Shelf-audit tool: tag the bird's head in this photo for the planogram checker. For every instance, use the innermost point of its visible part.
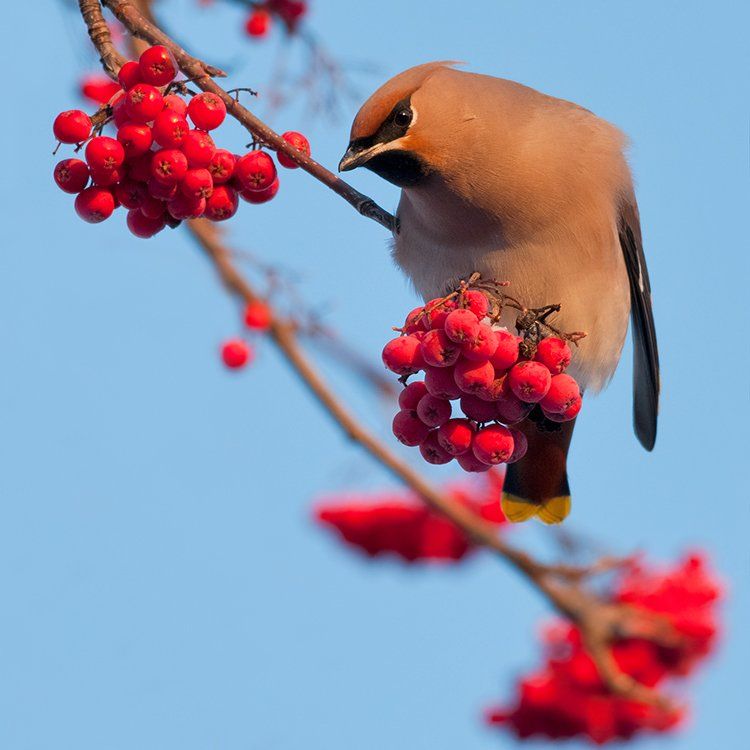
(393, 133)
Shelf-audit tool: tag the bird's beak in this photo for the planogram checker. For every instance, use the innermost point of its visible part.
(356, 156)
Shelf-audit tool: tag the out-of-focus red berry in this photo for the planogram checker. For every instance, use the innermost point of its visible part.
(235, 354)
(257, 315)
(99, 89)
(258, 23)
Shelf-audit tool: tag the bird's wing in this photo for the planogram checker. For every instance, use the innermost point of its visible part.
(646, 354)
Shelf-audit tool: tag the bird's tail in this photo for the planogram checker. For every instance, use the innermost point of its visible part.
(537, 485)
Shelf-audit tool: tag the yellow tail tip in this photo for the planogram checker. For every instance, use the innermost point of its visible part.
(552, 511)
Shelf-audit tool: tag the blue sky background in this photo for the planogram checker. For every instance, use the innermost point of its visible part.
(162, 584)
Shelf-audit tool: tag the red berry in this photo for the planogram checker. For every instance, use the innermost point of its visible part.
(261, 196)
(438, 350)
(258, 23)
(169, 166)
(72, 126)
(482, 347)
(221, 166)
(207, 111)
(291, 12)
(222, 204)
(175, 104)
(157, 66)
(151, 207)
(403, 355)
(477, 409)
(415, 320)
(520, 445)
(197, 183)
(139, 168)
(472, 377)
(235, 353)
(494, 390)
(199, 148)
(129, 75)
(455, 436)
(437, 311)
(409, 428)
(170, 129)
(554, 354)
(506, 353)
(469, 462)
(258, 316)
(563, 392)
(136, 139)
(255, 170)
(441, 383)
(99, 89)
(299, 142)
(493, 445)
(95, 204)
(529, 381)
(411, 395)
(462, 325)
(107, 177)
(104, 154)
(432, 451)
(143, 102)
(186, 206)
(433, 411)
(477, 302)
(129, 193)
(511, 409)
(163, 190)
(566, 416)
(71, 175)
(143, 226)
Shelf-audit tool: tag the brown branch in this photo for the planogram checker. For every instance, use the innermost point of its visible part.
(111, 59)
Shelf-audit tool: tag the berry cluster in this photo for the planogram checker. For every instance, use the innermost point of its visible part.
(500, 379)
(289, 12)
(236, 353)
(159, 167)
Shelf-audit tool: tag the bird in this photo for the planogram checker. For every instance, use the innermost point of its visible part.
(500, 179)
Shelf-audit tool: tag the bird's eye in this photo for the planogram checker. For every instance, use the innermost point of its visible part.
(402, 118)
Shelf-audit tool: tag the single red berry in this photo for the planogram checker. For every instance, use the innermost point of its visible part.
(440, 382)
(409, 428)
(438, 350)
(403, 355)
(129, 193)
(477, 409)
(162, 190)
(222, 204)
(472, 377)
(506, 352)
(142, 226)
(71, 175)
(72, 126)
(151, 207)
(563, 392)
(433, 411)
(477, 302)
(197, 183)
(520, 445)
(469, 462)
(136, 138)
(299, 142)
(258, 315)
(186, 206)
(432, 451)
(510, 408)
(455, 436)
(412, 393)
(291, 12)
(554, 354)
(129, 75)
(199, 148)
(529, 381)
(482, 347)
(235, 353)
(207, 111)
(104, 154)
(415, 320)
(261, 196)
(99, 89)
(170, 129)
(258, 23)
(169, 166)
(95, 204)
(493, 445)
(255, 170)
(221, 166)
(462, 326)
(157, 66)
(175, 104)
(566, 416)
(437, 311)
(119, 103)
(143, 102)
